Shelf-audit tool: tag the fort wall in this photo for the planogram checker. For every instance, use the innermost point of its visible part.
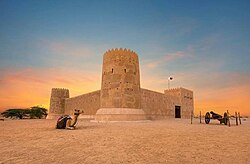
(187, 101)
(185, 97)
(89, 103)
(158, 105)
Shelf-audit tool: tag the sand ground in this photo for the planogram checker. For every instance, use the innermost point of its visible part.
(165, 141)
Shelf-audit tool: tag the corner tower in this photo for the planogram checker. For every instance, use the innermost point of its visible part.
(57, 102)
(120, 90)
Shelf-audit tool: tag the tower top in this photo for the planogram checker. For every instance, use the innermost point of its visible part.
(120, 51)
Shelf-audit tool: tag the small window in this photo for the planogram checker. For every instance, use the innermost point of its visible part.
(112, 70)
(125, 70)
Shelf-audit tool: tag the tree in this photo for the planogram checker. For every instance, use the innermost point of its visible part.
(17, 113)
(37, 112)
(32, 112)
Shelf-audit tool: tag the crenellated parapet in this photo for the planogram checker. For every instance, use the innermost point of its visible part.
(180, 92)
(60, 92)
(118, 55)
(57, 101)
(173, 92)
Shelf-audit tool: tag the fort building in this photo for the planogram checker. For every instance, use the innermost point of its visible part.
(121, 97)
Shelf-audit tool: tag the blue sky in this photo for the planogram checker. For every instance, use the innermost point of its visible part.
(203, 44)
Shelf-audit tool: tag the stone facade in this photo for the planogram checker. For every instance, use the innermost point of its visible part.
(89, 103)
(57, 102)
(120, 90)
(120, 80)
(158, 105)
(121, 98)
(186, 100)
(162, 105)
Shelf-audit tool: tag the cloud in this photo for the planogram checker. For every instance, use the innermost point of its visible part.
(165, 59)
(235, 98)
(67, 53)
(179, 27)
(62, 64)
(70, 49)
(27, 87)
(204, 68)
(214, 91)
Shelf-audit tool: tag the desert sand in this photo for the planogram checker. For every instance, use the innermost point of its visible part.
(162, 141)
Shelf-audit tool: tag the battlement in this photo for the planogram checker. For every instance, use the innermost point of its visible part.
(173, 91)
(60, 92)
(120, 54)
(177, 90)
(180, 92)
(120, 50)
(60, 89)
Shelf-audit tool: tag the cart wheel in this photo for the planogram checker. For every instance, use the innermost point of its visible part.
(225, 118)
(207, 118)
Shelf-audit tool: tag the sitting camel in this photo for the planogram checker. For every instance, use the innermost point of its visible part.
(65, 121)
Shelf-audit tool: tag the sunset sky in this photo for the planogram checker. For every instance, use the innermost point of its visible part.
(204, 45)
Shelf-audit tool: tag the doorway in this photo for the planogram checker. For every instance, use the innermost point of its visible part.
(177, 111)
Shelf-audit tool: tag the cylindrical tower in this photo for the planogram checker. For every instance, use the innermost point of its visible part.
(57, 102)
(120, 80)
(120, 89)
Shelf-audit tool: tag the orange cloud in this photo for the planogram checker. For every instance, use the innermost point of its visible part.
(235, 98)
(28, 87)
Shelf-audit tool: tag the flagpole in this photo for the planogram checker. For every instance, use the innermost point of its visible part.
(169, 79)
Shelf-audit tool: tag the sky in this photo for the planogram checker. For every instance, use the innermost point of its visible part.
(203, 45)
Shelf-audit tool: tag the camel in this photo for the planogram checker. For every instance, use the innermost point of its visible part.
(66, 122)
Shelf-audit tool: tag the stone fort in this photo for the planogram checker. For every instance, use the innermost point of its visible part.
(121, 97)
